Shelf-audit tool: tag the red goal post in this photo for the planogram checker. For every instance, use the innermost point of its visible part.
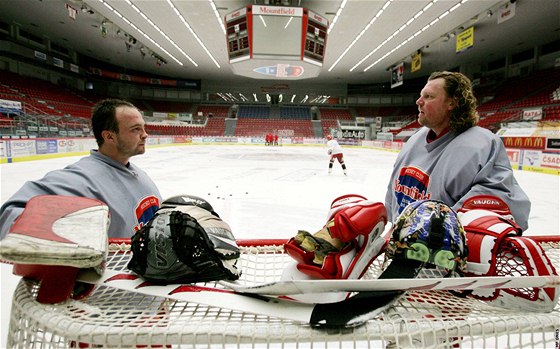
(111, 318)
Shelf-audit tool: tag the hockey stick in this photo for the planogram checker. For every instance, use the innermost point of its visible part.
(211, 296)
(374, 297)
(370, 303)
(462, 283)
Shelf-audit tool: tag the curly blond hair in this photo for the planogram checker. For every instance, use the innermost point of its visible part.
(459, 88)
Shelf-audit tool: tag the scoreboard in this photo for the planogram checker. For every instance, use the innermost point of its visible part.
(237, 35)
(315, 38)
(276, 42)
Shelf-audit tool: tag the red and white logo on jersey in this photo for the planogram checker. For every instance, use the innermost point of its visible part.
(146, 210)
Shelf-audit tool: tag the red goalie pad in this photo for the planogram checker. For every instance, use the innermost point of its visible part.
(497, 249)
(53, 238)
(521, 256)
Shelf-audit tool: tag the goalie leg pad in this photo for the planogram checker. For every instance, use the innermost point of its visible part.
(59, 230)
(521, 256)
(496, 248)
(53, 238)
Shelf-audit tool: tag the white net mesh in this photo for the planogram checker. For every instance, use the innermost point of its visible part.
(115, 318)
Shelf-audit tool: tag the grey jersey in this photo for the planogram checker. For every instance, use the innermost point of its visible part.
(131, 195)
(452, 169)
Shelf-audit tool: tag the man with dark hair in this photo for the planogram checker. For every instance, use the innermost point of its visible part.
(106, 174)
(451, 159)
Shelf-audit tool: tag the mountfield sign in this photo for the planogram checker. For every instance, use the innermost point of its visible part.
(278, 11)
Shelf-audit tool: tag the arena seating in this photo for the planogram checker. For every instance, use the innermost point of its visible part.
(552, 113)
(298, 113)
(43, 96)
(335, 114)
(6, 122)
(212, 110)
(259, 127)
(164, 106)
(386, 111)
(253, 112)
(501, 102)
(215, 127)
(327, 125)
(505, 101)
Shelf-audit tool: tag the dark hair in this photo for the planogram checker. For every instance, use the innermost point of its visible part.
(459, 88)
(104, 117)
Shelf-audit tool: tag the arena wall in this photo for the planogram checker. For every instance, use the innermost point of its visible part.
(544, 159)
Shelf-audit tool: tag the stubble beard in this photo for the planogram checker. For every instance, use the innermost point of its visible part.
(131, 151)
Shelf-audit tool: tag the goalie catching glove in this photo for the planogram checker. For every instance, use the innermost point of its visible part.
(186, 241)
(345, 247)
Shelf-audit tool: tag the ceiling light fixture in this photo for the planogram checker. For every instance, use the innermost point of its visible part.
(336, 16)
(418, 14)
(453, 8)
(117, 13)
(135, 8)
(377, 15)
(218, 17)
(288, 23)
(193, 33)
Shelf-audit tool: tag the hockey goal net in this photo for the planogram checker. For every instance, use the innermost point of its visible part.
(111, 318)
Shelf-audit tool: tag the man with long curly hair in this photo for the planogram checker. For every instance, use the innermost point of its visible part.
(450, 158)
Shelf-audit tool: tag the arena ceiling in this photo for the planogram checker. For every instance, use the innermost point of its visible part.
(183, 39)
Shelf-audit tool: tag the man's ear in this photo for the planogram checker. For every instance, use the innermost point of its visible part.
(452, 104)
(107, 135)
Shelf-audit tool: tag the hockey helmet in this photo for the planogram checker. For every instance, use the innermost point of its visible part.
(429, 231)
(154, 255)
(176, 202)
(329, 137)
(176, 247)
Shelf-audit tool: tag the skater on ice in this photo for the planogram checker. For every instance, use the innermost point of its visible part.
(335, 151)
